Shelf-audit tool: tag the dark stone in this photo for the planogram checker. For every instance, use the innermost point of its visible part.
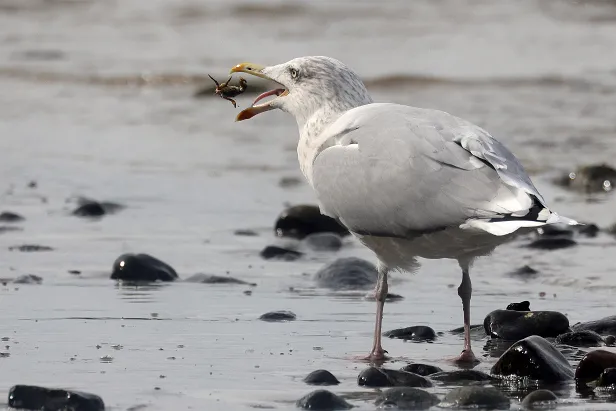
(245, 233)
(6, 229)
(389, 298)
(539, 399)
(279, 253)
(321, 377)
(28, 279)
(606, 325)
(522, 306)
(10, 217)
(421, 369)
(30, 397)
(476, 396)
(475, 329)
(28, 248)
(592, 365)
(552, 243)
(382, 377)
(287, 182)
(92, 208)
(460, 376)
(141, 267)
(592, 178)
(348, 273)
(580, 339)
(588, 230)
(525, 271)
(323, 241)
(274, 316)
(610, 340)
(536, 358)
(216, 279)
(322, 400)
(406, 398)
(415, 333)
(515, 325)
(607, 378)
(301, 220)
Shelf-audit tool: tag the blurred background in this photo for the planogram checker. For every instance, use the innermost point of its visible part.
(111, 100)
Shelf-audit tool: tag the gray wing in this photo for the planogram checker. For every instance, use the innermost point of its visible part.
(394, 170)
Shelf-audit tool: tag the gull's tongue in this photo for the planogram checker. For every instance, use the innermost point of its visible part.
(276, 92)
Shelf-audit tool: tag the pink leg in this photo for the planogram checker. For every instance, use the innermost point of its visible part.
(378, 353)
(464, 291)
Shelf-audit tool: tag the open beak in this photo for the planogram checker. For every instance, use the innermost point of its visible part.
(257, 70)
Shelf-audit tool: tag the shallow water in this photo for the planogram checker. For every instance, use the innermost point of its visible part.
(97, 101)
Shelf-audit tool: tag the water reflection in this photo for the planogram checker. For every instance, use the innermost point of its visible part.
(139, 292)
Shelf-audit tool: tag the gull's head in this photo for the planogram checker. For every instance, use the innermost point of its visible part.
(307, 85)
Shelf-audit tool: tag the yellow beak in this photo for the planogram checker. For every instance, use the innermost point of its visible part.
(255, 70)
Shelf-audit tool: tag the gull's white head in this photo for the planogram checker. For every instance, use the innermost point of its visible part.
(309, 85)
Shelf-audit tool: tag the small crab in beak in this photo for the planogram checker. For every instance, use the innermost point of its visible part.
(259, 71)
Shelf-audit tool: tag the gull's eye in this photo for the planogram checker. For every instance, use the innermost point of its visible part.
(294, 73)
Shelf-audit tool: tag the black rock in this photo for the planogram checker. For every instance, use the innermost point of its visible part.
(476, 396)
(414, 333)
(321, 377)
(322, 400)
(540, 399)
(406, 398)
(92, 208)
(28, 279)
(515, 325)
(30, 397)
(588, 230)
(552, 243)
(323, 241)
(522, 306)
(477, 329)
(347, 274)
(592, 178)
(382, 377)
(584, 338)
(607, 378)
(215, 279)
(275, 316)
(460, 376)
(141, 267)
(536, 358)
(606, 325)
(301, 220)
(246, 233)
(29, 248)
(610, 340)
(525, 272)
(421, 369)
(592, 365)
(10, 217)
(279, 253)
(390, 297)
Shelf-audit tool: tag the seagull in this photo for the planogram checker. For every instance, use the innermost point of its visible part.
(408, 182)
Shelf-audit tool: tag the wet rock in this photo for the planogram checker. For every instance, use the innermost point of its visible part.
(92, 208)
(31, 397)
(477, 329)
(280, 253)
(323, 241)
(215, 279)
(607, 378)
(592, 365)
(347, 274)
(553, 237)
(460, 376)
(10, 217)
(540, 399)
(421, 369)
(610, 340)
(278, 316)
(6, 229)
(29, 248)
(245, 233)
(321, 377)
(406, 398)
(287, 182)
(383, 377)
(514, 325)
(588, 230)
(414, 333)
(28, 279)
(301, 220)
(591, 178)
(390, 297)
(536, 358)
(606, 325)
(475, 396)
(522, 306)
(580, 339)
(322, 400)
(141, 267)
(524, 272)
